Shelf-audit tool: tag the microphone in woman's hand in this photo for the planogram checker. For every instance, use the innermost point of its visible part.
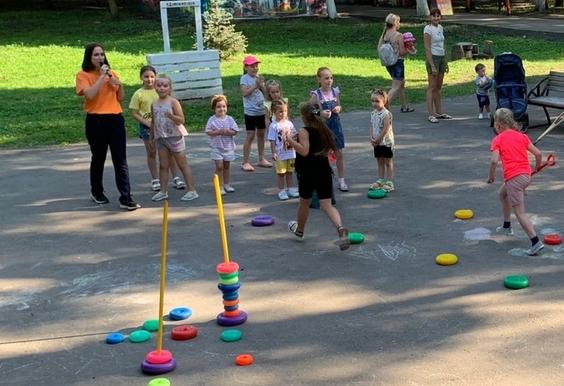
(106, 69)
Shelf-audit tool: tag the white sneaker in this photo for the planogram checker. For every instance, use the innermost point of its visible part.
(283, 195)
(156, 185)
(293, 227)
(178, 183)
(293, 193)
(189, 196)
(505, 231)
(160, 196)
(222, 191)
(229, 188)
(480, 116)
(535, 249)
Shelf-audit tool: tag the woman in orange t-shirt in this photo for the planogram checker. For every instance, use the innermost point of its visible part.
(105, 127)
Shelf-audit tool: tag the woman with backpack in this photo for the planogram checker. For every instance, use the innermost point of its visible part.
(391, 50)
(437, 65)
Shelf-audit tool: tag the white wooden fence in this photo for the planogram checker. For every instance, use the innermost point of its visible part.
(194, 74)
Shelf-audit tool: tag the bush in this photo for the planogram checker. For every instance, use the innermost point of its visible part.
(220, 34)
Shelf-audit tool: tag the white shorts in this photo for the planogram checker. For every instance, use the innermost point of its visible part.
(218, 154)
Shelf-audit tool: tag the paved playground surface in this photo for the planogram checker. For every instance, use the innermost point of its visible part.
(380, 313)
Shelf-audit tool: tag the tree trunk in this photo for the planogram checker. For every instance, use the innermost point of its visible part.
(331, 9)
(422, 8)
(113, 8)
(540, 5)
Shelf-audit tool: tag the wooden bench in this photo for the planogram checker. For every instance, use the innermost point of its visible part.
(549, 93)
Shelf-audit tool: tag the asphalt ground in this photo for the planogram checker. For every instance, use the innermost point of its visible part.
(380, 313)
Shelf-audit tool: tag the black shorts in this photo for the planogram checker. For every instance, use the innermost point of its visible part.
(255, 122)
(483, 100)
(383, 151)
(322, 184)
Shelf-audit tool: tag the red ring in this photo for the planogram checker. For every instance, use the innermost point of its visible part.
(553, 239)
(158, 358)
(230, 303)
(244, 360)
(230, 267)
(184, 332)
(231, 314)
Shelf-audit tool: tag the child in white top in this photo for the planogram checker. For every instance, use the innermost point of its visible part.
(273, 93)
(168, 131)
(283, 154)
(140, 107)
(483, 85)
(222, 128)
(252, 89)
(382, 139)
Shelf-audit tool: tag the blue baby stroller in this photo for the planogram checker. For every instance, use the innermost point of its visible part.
(510, 87)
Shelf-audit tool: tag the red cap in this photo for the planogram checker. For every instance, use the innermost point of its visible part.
(249, 60)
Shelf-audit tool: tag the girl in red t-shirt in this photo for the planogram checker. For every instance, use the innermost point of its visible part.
(511, 146)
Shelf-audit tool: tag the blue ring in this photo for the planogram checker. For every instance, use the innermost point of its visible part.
(231, 308)
(115, 338)
(180, 313)
(229, 287)
(232, 296)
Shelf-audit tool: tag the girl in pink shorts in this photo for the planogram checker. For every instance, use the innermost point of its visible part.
(511, 147)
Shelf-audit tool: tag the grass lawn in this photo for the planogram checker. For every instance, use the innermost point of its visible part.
(40, 57)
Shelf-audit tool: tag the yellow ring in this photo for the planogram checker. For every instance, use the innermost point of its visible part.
(446, 259)
(464, 214)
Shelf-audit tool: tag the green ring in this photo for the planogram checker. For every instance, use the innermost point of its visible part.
(151, 325)
(516, 282)
(356, 237)
(229, 275)
(159, 382)
(229, 281)
(376, 193)
(139, 336)
(231, 335)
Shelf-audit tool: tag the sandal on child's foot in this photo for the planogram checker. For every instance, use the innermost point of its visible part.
(247, 167)
(344, 242)
(433, 119)
(407, 109)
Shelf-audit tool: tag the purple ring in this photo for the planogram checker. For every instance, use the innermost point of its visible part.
(151, 368)
(232, 321)
(262, 220)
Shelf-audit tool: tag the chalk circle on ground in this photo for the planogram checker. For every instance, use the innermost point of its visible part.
(115, 338)
(184, 332)
(159, 382)
(464, 214)
(356, 237)
(553, 239)
(151, 325)
(244, 360)
(262, 220)
(446, 259)
(516, 281)
(139, 336)
(180, 313)
(231, 335)
(376, 193)
(150, 368)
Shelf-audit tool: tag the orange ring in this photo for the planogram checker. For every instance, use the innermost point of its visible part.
(553, 239)
(244, 360)
(230, 303)
(231, 314)
(225, 268)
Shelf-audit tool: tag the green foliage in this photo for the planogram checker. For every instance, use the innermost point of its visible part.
(220, 34)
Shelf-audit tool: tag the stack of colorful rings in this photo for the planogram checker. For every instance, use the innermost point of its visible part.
(229, 285)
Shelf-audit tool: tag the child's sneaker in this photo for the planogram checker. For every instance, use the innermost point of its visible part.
(160, 196)
(378, 184)
(504, 231)
(283, 195)
(535, 249)
(156, 185)
(229, 188)
(189, 196)
(480, 116)
(293, 192)
(343, 187)
(178, 183)
(344, 242)
(222, 191)
(293, 227)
